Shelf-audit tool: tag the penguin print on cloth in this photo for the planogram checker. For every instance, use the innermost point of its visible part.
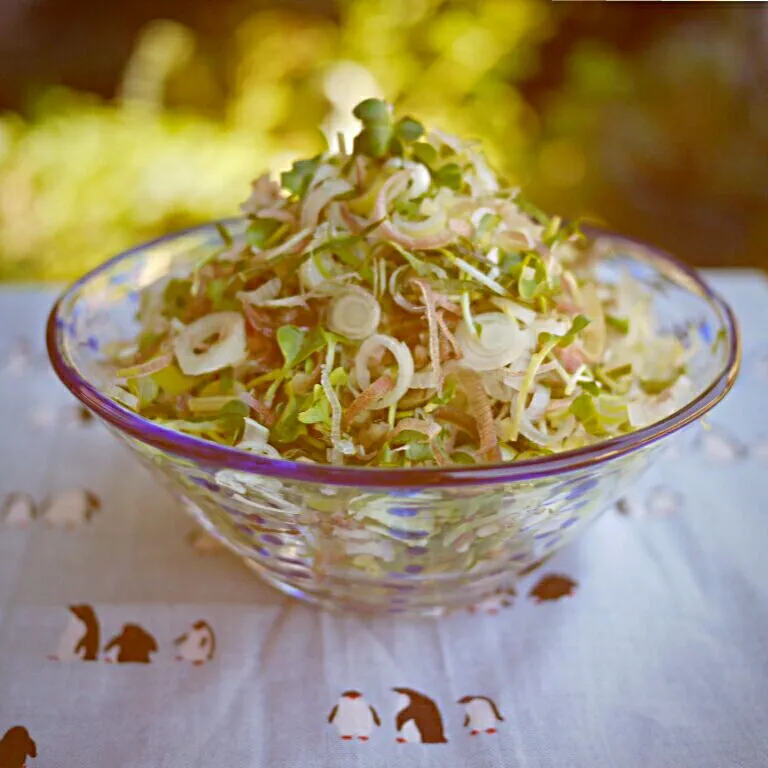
(354, 717)
(132, 646)
(552, 587)
(80, 639)
(658, 502)
(720, 447)
(760, 448)
(19, 359)
(71, 508)
(198, 645)
(481, 716)
(205, 544)
(15, 747)
(18, 510)
(495, 603)
(418, 719)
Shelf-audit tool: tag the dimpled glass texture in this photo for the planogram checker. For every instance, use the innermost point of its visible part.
(419, 541)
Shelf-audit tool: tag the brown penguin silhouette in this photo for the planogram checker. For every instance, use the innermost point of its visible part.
(424, 715)
(89, 642)
(552, 587)
(15, 747)
(134, 644)
(81, 638)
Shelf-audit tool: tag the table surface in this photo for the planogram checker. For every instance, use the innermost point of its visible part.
(656, 656)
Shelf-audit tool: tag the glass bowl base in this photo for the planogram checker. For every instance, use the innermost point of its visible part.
(423, 601)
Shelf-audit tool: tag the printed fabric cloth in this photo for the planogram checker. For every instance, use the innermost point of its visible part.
(125, 642)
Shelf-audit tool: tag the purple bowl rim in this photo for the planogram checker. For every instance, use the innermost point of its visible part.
(223, 457)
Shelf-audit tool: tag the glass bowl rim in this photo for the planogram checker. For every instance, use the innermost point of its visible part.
(421, 478)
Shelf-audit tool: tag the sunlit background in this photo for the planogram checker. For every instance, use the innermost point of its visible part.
(122, 124)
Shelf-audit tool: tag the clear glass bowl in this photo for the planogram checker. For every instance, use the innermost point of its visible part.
(399, 540)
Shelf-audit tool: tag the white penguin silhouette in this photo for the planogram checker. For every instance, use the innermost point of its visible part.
(658, 501)
(761, 366)
(482, 714)
(110, 656)
(721, 447)
(664, 501)
(760, 448)
(354, 717)
(70, 508)
(197, 645)
(493, 604)
(18, 510)
(20, 358)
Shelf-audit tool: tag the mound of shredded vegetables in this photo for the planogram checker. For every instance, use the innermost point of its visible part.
(394, 306)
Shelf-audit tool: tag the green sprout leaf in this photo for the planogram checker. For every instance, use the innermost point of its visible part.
(601, 415)
(420, 452)
(259, 231)
(288, 428)
(176, 297)
(290, 339)
(146, 390)
(591, 388)
(511, 263)
(297, 345)
(425, 153)
(657, 386)
(529, 287)
(339, 377)
(449, 175)
(226, 238)
(318, 409)
(215, 290)
(173, 382)
(374, 140)
(373, 111)
(620, 324)
(235, 407)
(580, 322)
(296, 181)
(407, 129)
(531, 210)
(487, 224)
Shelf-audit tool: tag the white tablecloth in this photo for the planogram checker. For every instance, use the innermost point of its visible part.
(657, 657)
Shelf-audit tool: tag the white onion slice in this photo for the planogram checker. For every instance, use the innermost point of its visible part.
(595, 334)
(528, 430)
(539, 402)
(229, 348)
(270, 290)
(550, 325)
(254, 432)
(423, 380)
(354, 314)
(396, 294)
(499, 343)
(319, 197)
(402, 355)
(513, 309)
(293, 243)
(310, 274)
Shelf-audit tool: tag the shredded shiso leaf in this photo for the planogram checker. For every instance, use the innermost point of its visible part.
(395, 306)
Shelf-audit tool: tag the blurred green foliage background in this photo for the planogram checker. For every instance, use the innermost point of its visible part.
(654, 124)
